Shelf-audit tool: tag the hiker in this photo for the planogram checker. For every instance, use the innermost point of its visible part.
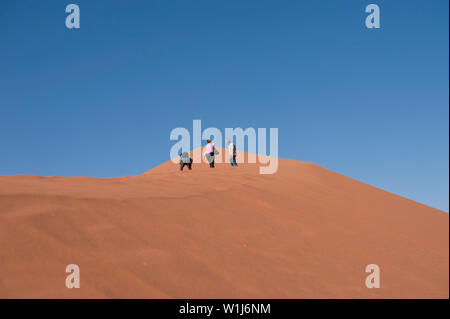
(232, 150)
(185, 160)
(209, 152)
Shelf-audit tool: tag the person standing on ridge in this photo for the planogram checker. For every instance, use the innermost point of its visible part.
(232, 151)
(209, 152)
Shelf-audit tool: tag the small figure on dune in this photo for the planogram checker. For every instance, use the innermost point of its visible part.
(185, 160)
(210, 151)
(232, 150)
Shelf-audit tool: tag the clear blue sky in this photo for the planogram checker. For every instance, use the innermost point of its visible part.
(102, 100)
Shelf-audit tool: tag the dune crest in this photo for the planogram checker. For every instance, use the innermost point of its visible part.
(304, 232)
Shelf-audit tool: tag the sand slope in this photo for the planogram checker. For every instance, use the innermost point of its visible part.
(304, 232)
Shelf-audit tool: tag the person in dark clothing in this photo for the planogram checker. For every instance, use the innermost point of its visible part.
(185, 160)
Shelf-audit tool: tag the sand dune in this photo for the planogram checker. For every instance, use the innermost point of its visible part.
(304, 232)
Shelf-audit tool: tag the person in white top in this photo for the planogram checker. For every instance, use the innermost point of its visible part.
(232, 151)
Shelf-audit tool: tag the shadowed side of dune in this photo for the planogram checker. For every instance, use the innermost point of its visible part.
(304, 232)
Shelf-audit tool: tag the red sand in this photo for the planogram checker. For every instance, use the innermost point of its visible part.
(304, 232)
